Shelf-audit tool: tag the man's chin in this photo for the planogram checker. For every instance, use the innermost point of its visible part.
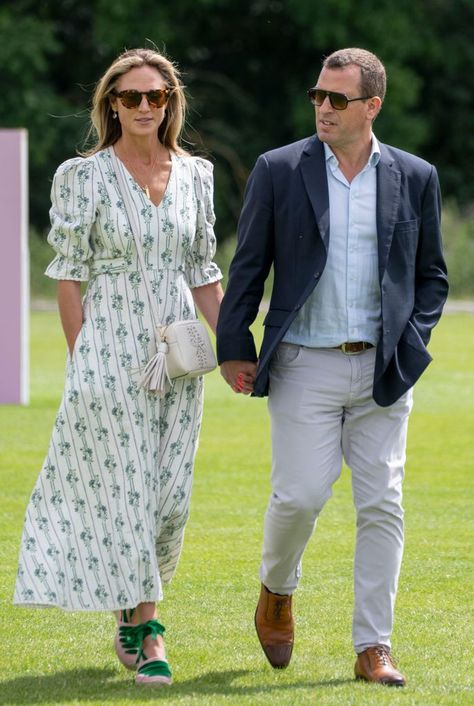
(324, 137)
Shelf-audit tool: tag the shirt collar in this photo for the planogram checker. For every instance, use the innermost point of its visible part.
(373, 160)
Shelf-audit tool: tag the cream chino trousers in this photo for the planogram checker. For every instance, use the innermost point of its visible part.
(322, 412)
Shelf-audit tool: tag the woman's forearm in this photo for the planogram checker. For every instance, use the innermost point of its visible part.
(70, 310)
(208, 300)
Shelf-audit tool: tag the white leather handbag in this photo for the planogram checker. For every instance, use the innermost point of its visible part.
(184, 350)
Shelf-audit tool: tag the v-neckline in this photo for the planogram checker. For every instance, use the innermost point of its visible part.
(129, 174)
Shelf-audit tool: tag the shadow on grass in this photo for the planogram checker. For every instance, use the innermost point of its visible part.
(83, 685)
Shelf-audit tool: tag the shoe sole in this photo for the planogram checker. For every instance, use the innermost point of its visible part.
(382, 683)
(153, 681)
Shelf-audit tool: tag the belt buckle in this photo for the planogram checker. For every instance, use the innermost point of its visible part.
(348, 352)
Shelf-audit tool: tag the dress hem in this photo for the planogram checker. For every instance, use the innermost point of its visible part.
(67, 609)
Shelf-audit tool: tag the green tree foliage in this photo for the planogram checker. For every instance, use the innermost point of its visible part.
(247, 65)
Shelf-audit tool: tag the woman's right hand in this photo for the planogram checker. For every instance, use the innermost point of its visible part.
(70, 310)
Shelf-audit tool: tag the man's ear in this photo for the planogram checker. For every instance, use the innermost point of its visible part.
(374, 105)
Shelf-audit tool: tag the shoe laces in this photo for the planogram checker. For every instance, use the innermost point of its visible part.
(383, 656)
(152, 628)
(279, 606)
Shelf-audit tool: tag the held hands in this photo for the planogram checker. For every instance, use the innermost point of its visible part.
(240, 375)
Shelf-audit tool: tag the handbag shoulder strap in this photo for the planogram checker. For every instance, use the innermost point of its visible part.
(130, 213)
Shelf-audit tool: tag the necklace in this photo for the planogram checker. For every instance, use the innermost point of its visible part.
(143, 186)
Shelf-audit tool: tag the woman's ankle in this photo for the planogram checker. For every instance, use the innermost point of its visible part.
(127, 615)
(154, 648)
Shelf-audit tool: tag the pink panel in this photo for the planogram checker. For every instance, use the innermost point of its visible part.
(14, 291)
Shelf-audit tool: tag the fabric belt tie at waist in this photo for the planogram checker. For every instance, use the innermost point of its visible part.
(354, 347)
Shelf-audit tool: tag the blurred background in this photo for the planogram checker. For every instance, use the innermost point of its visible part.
(247, 66)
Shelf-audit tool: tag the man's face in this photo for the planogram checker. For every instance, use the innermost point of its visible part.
(343, 129)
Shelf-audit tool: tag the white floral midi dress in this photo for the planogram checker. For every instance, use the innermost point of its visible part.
(104, 526)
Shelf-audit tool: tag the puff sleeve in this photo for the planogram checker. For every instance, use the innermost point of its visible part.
(72, 215)
(200, 269)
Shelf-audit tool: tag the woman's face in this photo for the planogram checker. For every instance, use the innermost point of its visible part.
(145, 119)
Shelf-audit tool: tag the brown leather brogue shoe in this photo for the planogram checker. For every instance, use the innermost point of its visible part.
(376, 664)
(275, 627)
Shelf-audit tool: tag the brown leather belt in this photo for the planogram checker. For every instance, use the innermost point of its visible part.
(354, 347)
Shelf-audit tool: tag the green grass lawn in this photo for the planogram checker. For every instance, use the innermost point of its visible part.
(49, 657)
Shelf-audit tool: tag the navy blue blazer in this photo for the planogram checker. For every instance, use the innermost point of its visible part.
(284, 223)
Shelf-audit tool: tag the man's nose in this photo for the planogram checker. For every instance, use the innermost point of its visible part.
(326, 103)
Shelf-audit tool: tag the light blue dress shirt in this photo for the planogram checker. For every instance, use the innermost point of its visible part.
(345, 306)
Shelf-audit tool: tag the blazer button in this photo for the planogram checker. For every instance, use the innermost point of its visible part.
(316, 275)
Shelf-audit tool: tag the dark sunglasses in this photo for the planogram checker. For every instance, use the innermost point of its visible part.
(339, 101)
(133, 98)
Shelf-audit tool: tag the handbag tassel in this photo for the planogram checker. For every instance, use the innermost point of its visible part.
(155, 373)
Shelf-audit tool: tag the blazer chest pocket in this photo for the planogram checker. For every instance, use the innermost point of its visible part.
(403, 226)
(405, 239)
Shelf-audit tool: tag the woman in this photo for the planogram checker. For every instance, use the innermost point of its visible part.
(105, 523)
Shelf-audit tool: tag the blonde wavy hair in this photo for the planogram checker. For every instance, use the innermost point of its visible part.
(106, 130)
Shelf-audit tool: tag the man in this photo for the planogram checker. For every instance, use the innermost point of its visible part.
(352, 229)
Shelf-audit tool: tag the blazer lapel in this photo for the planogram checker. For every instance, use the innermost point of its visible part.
(388, 199)
(313, 169)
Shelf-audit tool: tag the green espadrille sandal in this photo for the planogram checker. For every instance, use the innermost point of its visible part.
(128, 640)
(153, 672)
